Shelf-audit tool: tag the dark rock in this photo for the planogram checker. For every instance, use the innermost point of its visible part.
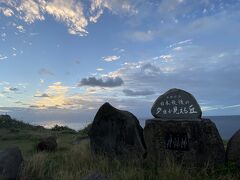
(188, 142)
(116, 133)
(176, 104)
(95, 176)
(233, 149)
(47, 144)
(10, 163)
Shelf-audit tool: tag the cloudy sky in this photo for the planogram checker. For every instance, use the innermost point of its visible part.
(61, 59)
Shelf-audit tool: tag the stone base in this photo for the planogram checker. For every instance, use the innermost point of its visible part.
(188, 142)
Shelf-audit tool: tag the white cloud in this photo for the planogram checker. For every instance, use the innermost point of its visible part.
(69, 12)
(179, 48)
(166, 57)
(20, 28)
(73, 13)
(99, 69)
(2, 57)
(32, 10)
(187, 41)
(116, 7)
(6, 11)
(111, 58)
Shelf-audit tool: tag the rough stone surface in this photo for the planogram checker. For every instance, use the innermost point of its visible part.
(47, 144)
(116, 133)
(10, 163)
(176, 104)
(233, 149)
(95, 176)
(186, 142)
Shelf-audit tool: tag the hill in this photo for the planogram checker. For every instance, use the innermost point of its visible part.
(7, 122)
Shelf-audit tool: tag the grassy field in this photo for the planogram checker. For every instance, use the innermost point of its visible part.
(73, 160)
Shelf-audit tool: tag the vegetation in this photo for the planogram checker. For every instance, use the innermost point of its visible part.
(77, 161)
(7, 122)
(74, 160)
(63, 129)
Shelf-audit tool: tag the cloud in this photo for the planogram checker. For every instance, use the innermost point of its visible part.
(184, 42)
(111, 58)
(101, 82)
(99, 69)
(167, 57)
(116, 7)
(179, 48)
(54, 96)
(71, 13)
(75, 14)
(45, 71)
(10, 89)
(129, 92)
(119, 50)
(6, 12)
(44, 95)
(31, 10)
(2, 57)
(141, 36)
(20, 28)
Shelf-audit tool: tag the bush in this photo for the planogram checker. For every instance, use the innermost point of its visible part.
(63, 129)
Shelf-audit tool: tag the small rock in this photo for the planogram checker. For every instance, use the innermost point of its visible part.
(10, 163)
(116, 133)
(233, 149)
(47, 144)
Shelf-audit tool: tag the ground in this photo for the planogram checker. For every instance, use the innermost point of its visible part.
(74, 160)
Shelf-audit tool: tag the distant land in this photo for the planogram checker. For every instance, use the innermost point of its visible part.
(227, 125)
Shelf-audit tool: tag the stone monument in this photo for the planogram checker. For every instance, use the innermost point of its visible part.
(176, 104)
(116, 133)
(179, 133)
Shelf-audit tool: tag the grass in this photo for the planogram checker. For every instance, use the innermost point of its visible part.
(73, 160)
(77, 161)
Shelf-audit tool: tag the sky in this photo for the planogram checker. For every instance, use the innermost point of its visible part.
(60, 60)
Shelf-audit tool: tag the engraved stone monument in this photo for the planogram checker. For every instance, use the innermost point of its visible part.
(179, 133)
(176, 104)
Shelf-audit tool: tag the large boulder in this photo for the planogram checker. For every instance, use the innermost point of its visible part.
(233, 149)
(116, 133)
(188, 142)
(10, 163)
(47, 144)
